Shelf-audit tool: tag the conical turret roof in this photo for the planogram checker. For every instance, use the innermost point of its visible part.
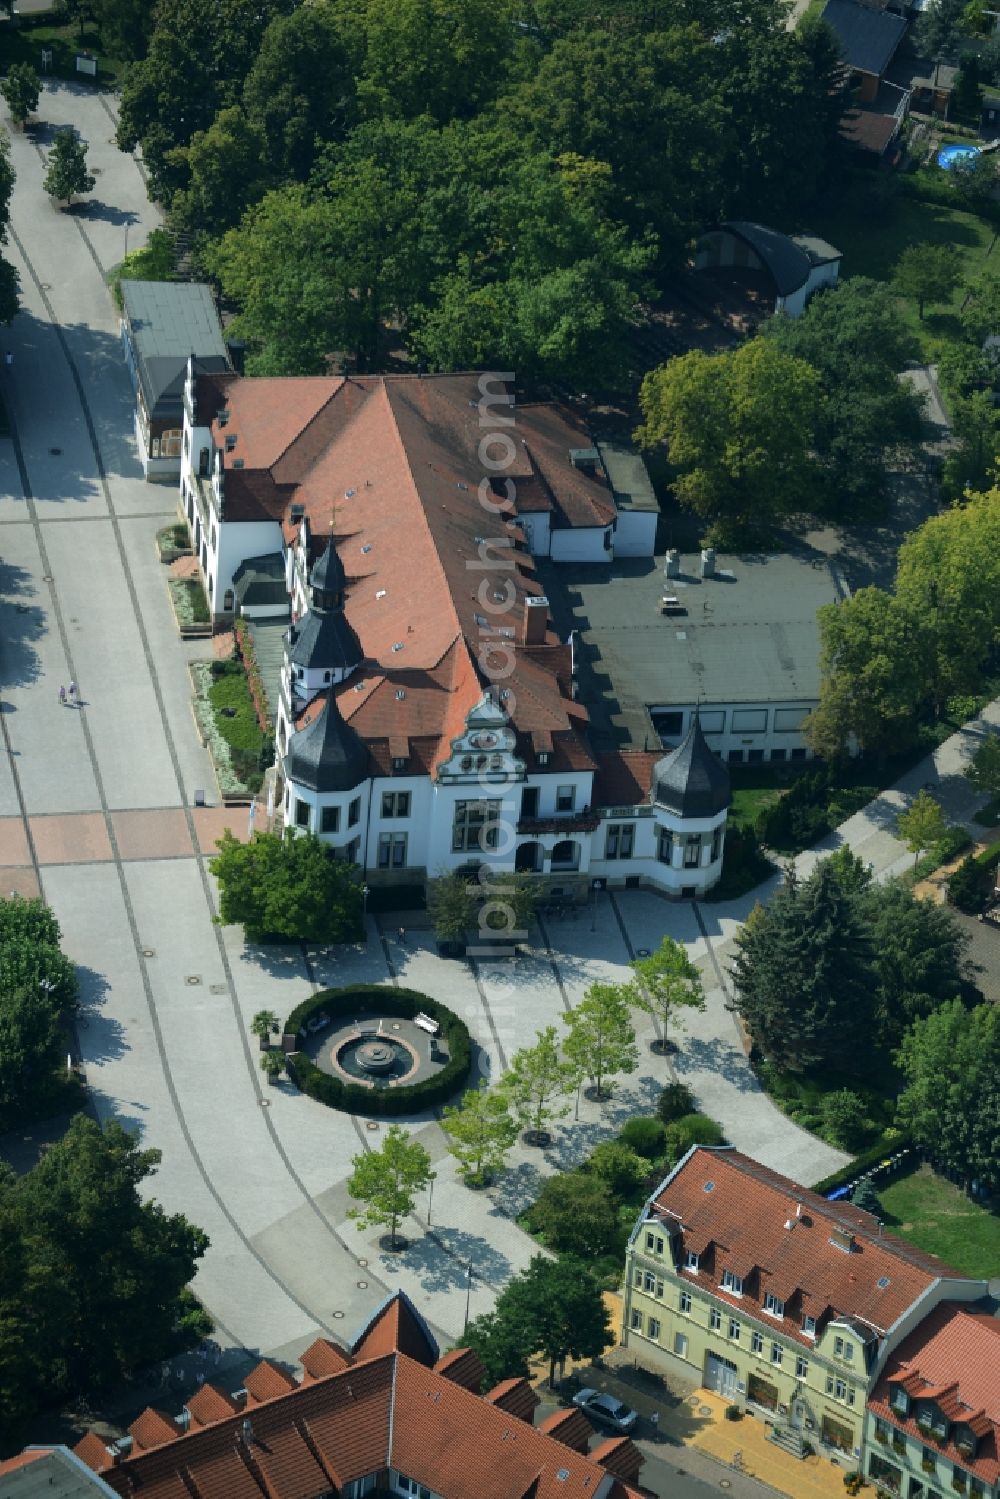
(327, 755)
(691, 781)
(328, 574)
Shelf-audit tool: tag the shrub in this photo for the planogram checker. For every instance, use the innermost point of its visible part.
(865, 1197)
(379, 999)
(734, 1413)
(970, 887)
(875, 1159)
(646, 1137)
(674, 1102)
(845, 1120)
(620, 1169)
(692, 1129)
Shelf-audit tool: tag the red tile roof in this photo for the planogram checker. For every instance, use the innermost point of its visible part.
(619, 1455)
(381, 1410)
(210, 1404)
(323, 1357)
(389, 467)
(463, 1366)
(624, 777)
(734, 1213)
(268, 1380)
(152, 1428)
(516, 1397)
(569, 1426)
(952, 1359)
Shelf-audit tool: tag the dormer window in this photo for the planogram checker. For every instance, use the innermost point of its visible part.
(691, 1260)
(543, 757)
(773, 1306)
(900, 1401)
(809, 1326)
(732, 1283)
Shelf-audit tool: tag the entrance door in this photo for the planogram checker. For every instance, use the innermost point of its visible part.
(798, 1417)
(720, 1375)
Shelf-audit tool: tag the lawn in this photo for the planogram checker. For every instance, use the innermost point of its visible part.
(236, 720)
(872, 239)
(939, 1218)
(25, 43)
(750, 801)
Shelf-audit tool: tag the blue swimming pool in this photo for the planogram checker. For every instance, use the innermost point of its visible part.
(950, 157)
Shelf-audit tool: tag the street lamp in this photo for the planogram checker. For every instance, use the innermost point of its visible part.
(365, 892)
(430, 1201)
(468, 1294)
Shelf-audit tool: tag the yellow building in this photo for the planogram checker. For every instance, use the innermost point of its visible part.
(785, 1303)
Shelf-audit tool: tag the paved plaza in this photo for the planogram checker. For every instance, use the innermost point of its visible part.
(98, 814)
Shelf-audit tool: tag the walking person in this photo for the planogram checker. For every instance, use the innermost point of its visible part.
(72, 692)
(62, 696)
(654, 1422)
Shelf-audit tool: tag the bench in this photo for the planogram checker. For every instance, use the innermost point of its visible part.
(426, 1023)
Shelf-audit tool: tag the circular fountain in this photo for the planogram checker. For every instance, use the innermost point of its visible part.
(376, 1059)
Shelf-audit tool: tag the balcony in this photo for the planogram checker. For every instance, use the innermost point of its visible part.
(562, 822)
(204, 496)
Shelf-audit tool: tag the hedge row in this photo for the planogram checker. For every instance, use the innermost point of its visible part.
(867, 1162)
(380, 999)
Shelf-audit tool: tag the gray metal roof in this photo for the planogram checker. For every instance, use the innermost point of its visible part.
(787, 263)
(269, 648)
(627, 475)
(325, 642)
(691, 780)
(868, 37)
(56, 1473)
(327, 755)
(168, 321)
(749, 635)
(260, 581)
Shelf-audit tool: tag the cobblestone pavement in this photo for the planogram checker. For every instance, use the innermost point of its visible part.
(97, 811)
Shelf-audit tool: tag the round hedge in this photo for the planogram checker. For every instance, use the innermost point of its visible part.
(380, 999)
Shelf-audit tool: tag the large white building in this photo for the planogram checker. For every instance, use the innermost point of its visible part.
(428, 717)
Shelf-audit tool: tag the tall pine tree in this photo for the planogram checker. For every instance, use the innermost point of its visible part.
(803, 974)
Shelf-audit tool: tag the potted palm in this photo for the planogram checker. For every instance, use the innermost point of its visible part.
(272, 1064)
(263, 1025)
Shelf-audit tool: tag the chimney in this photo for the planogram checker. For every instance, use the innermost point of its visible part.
(842, 1238)
(536, 619)
(672, 566)
(708, 562)
(246, 1432)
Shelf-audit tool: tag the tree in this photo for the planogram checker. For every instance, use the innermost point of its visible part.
(981, 314)
(852, 335)
(555, 1308)
(537, 1084)
(984, 768)
(225, 172)
(675, 1100)
(971, 886)
(866, 1198)
(951, 1060)
(299, 93)
(575, 1214)
(125, 26)
(948, 583)
(939, 27)
(739, 429)
(451, 907)
(501, 1346)
(845, 1118)
(873, 674)
(387, 1181)
(922, 824)
(927, 273)
(967, 90)
(272, 1064)
(919, 953)
(104, 1288)
(971, 465)
(31, 1048)
(802, 974)
(21, 90)
(600, 1041)
(667, 983)
(9, 285)
(430, 57)
(67, 173)
(480, 1133)
(647, 1136)
(286, 889)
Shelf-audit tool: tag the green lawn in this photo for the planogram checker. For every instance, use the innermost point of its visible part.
(750, 801)
(940, 1219)
(873, 238)
(234, 711)
(25, 43)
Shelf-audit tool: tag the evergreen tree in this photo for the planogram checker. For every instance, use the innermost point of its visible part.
(865, 1197)
(951, 1060)
(802, 974)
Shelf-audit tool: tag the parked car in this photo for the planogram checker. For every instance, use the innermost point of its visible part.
(606, 1410)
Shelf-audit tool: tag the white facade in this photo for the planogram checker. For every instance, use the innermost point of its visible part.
(635, 533)
(741, 733)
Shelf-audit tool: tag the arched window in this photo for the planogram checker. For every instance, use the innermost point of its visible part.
(566, 854)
